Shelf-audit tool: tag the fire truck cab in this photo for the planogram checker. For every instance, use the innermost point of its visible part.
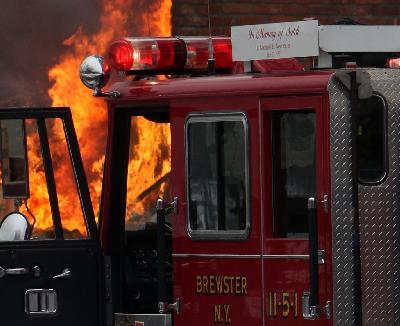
(279, 206)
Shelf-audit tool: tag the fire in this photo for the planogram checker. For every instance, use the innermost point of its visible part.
(145, 172)
(89, 114)
(36, 176)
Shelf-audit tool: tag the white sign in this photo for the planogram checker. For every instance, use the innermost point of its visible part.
(275, 41)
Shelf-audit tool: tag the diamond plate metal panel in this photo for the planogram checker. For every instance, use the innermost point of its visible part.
(379, 213)
(341, 205)
(380, 219)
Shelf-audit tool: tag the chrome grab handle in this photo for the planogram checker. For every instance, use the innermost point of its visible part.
(66, 273)
(20, 271)
(17, 271)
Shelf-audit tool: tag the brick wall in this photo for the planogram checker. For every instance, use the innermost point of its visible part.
(190, 16)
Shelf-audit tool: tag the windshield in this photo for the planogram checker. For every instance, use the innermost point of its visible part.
(38, 181)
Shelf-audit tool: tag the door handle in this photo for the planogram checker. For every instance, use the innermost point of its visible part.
(66, 273)
(17, 271)
(20, 271)
(310, 300)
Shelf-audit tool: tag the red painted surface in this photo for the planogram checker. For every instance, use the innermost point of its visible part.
(179, 111)
(104, 223)
(291, 275)
(236, 306)
(255, 95)
(199, 309)
(134, 92)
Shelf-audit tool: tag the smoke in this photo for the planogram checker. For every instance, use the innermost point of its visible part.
(31, 38)
(32, 35)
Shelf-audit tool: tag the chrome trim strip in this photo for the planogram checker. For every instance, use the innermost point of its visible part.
(261, 153)
(286, 256)
(234, 256)
(240, 256)
(321, 256)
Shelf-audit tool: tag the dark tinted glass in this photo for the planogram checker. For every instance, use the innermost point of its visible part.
(372, 166)
(293, 146)
(216, 175)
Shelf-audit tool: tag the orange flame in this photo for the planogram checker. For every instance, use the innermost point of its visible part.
(89, 113)
(149, 161)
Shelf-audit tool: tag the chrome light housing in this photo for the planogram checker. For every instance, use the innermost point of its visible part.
(94, 72)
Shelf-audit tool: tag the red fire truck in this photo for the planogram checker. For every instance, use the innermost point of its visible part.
(283, 192)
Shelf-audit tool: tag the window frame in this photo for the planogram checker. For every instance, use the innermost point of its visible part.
(223, 235)
(64, 114)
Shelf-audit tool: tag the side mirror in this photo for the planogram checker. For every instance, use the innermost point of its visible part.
(14, 164)
(94, 72)
(14, 227)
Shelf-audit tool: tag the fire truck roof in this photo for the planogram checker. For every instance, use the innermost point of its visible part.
(226, 85)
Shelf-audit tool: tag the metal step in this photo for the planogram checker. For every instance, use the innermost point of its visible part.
(142, 319)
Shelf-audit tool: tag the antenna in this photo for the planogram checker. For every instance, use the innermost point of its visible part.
(211, 60)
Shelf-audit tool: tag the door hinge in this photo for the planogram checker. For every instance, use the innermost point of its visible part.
(171, 208)
(108, 290)
(321, 256)
(311, 312)
(324, 203)
(327, 310)
(164, 307)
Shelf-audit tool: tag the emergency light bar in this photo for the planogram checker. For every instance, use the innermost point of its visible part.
(367, 45)
(169, 55)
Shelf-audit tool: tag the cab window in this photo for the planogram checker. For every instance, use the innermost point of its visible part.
(39, 199)
(294, 180)
(217, 176)
(149, 168)
(372, 141)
